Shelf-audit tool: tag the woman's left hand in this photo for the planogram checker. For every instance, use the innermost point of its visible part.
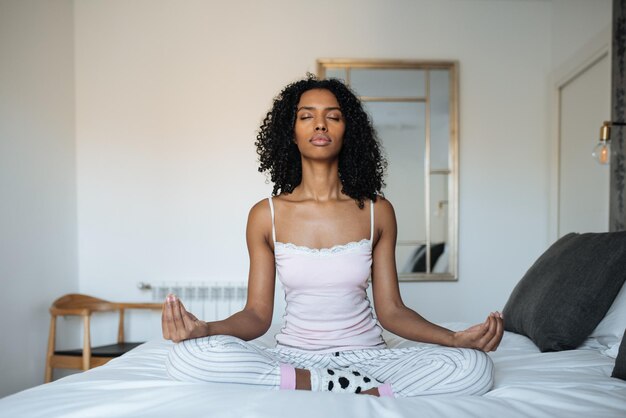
(485, 336)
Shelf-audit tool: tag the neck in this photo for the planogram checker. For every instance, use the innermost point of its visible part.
(320, 180)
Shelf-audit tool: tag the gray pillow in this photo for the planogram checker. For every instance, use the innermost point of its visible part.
(568, 290)
(620, 362)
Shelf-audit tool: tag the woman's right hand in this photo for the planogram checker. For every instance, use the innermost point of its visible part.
(178, 324)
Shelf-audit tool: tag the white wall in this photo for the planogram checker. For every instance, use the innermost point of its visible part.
(38, 260)
(574, 24)
(581, 31)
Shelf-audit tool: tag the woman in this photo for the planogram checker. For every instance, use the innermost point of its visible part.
(325, 231)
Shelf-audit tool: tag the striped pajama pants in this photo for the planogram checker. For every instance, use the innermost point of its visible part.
(411, 371)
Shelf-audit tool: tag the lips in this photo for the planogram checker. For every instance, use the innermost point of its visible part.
(320, 140)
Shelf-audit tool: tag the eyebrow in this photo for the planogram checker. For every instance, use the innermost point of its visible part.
(314, 108)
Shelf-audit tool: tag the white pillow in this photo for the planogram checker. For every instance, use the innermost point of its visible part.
(610, 330)
(612, 352)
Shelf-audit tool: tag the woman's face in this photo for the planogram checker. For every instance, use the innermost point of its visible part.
(320, 125)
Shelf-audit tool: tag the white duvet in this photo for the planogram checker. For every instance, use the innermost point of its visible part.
(528, 383)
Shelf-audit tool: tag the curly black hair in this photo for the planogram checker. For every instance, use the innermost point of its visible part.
(361, 163)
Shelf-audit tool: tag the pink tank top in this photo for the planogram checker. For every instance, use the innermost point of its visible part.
(327, 306)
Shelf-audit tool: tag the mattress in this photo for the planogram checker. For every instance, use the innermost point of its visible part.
(528, 383)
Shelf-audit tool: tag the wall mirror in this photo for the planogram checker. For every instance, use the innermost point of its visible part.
(414, 108)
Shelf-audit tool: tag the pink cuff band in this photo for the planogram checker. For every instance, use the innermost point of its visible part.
(287, 377)
(385, 390)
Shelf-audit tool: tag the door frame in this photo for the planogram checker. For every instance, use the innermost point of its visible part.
(586, 57)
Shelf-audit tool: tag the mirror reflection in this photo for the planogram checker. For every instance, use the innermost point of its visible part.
(413, 106)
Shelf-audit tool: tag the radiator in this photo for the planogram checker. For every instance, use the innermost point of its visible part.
(208, 301)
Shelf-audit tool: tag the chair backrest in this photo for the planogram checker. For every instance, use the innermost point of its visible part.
(77, 303)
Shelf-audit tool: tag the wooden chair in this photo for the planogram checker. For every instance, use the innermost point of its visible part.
(88, 356)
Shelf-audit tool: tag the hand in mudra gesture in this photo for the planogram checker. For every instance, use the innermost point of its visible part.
(178, 324)
(485, 336)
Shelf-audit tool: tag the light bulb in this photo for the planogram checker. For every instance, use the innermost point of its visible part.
(602, 152)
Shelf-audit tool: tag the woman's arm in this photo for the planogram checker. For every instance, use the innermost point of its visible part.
(255, 318)
(394, 316)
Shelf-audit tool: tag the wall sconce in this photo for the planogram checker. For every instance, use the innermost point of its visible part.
(602, 151)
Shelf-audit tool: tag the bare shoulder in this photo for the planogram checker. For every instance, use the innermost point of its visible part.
(260, 207)
(384, 208)
(259, 218)
(384, 220)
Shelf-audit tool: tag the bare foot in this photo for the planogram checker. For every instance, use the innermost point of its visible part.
(303, 379)
(372, 391)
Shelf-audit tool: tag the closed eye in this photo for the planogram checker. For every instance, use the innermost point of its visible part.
(334, 117)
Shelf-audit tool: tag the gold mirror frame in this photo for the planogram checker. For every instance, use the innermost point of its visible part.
(323, 65)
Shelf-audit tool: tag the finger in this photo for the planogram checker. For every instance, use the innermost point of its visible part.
(497, 336)
(169, 318)
(188, 319)
(176, 326)
(483, 328)
(164, 330)
(178, 320)
(499, 333)
(488, 335)
(493, 344)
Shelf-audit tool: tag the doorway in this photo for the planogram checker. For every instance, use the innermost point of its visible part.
(583, 184)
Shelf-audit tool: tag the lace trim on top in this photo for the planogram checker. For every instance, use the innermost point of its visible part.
(335, 249)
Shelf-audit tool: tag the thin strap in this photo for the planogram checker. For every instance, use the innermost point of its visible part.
(272, 211)
(371, 220)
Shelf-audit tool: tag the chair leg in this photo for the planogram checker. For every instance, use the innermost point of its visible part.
(120, 327)
(86, 344)
(50, 352)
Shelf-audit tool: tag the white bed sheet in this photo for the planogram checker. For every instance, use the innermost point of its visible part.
(528, 383)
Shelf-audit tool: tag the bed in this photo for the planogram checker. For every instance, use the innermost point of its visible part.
(528, 383)
(565, 339)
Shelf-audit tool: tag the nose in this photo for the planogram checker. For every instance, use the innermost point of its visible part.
(320, 127)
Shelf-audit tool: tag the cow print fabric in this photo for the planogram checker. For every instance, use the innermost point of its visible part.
(341, 381)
